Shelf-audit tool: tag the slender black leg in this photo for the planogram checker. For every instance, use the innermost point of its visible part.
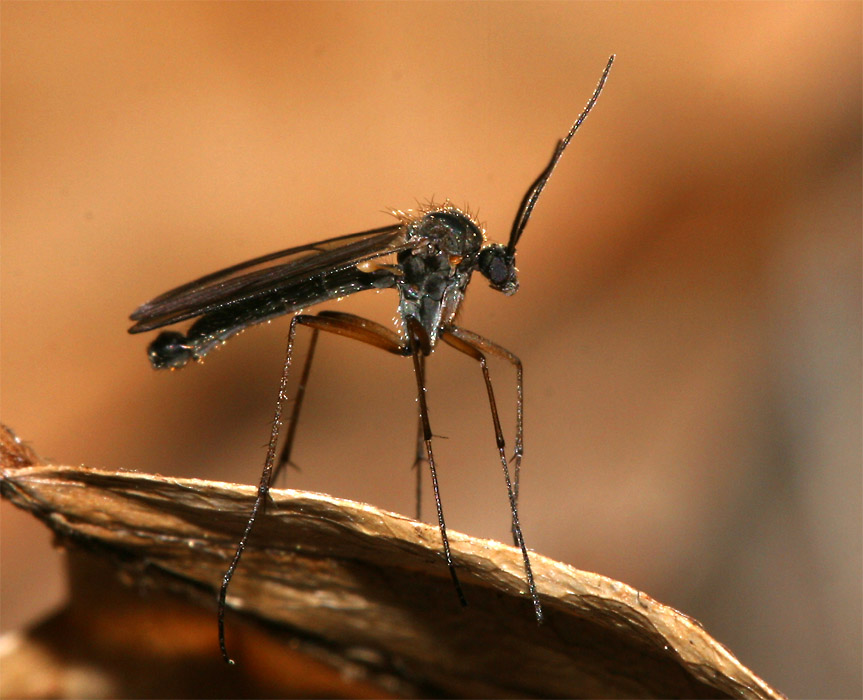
(263, 487)
(472, 345)
(493, 348)
(334, 322)
(379, 336)
(285, 456)
(427, 437)
(420, 454)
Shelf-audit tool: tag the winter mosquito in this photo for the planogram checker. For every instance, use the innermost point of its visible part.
(435, 251)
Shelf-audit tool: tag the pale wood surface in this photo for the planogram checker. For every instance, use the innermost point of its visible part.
(333, 598)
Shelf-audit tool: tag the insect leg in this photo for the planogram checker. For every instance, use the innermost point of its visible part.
(341, 324)
(420, 454)
(263, 486)
(472, 345)
(334, 322)
(417, 343)
(285, 456)
(418, 346)
(494, 349)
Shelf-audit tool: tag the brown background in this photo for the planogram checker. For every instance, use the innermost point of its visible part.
(689, 317)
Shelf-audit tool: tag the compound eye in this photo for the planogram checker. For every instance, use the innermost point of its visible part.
(497, 272)
(498, 269)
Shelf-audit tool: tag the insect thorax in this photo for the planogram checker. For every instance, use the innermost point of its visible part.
(434, 276)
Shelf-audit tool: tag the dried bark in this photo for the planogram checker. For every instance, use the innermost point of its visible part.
(333, 598)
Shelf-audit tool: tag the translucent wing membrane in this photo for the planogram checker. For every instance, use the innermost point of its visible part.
(241, 285)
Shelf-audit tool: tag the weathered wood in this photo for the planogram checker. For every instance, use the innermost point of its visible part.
(333, 584)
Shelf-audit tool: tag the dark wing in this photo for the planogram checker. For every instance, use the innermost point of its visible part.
(300, 265)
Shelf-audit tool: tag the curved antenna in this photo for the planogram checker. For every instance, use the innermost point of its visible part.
(529, 200)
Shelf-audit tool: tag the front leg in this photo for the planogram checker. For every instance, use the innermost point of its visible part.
(472, 345)
(493, 348)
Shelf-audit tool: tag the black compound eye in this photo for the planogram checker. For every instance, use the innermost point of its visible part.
(498, 268)
(497, 272)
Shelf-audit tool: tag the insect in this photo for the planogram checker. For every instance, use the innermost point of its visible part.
(428, 257)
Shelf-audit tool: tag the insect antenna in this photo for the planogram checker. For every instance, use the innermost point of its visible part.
(529, 200)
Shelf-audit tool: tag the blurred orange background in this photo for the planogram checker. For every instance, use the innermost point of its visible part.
(690, 307)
